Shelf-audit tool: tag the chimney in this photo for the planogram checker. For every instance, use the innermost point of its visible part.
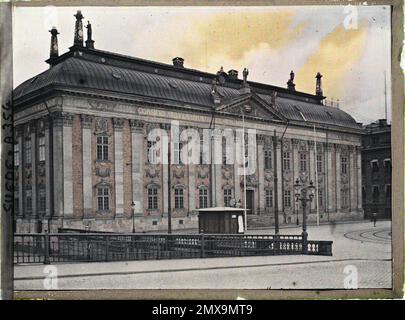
(233, 74)
(318, 89)
(78, 40)
(89, 41)
(54, 52)
(178, 62)
(290, 82)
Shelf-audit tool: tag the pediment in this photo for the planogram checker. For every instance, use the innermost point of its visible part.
(254, 107)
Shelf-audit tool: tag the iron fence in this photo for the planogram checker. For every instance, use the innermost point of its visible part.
(91, 247)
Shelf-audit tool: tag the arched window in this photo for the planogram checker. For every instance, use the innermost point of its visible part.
(152, 198)
(179, 197)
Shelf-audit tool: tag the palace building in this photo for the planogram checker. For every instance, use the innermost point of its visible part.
(84, 158)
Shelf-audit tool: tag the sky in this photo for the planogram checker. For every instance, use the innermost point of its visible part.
(350, 46)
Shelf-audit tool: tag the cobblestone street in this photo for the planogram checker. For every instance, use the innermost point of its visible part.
(358, 249)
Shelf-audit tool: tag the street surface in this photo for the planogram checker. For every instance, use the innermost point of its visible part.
(361, 258)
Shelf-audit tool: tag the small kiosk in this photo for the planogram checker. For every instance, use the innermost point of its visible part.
(225, 220)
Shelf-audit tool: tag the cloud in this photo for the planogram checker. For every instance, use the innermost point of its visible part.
(335, 57)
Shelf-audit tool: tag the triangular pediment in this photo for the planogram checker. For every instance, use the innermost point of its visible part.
(254, 107)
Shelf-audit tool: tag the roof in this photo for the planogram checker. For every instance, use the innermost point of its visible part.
(88, 69)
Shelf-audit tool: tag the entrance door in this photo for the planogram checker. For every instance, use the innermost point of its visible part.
(250, 204)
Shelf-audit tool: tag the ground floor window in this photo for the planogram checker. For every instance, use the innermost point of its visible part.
(152, 198)
(203, 193)
(227, 197)
(103, 198)
(287, 198)
(269, 198)
(179, 198)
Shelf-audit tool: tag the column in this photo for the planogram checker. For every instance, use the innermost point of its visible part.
(217, 156)
(57, 163)
(330, 185)
(19, 131)
(280, 182)
(311, 170)
(237, 167)
(295, 175)
(118, 167)
(352, 178)
(191, 187)
(260, 164)
(87, 165)
(48, 166)
(359, 180)
(33, 135)
(137, 165)
(338, 177)
(67, 166)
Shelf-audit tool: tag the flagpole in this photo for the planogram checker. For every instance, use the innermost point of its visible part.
(316, 179)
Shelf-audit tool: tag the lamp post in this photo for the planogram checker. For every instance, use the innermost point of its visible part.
(305, 194)
(133, 216)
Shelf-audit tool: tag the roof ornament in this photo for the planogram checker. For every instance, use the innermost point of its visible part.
(290, 82)
(54, 53)
(221, 76)
(78, 40)
(214, 92)
(318, 89)
(89, 41)
(245, 75)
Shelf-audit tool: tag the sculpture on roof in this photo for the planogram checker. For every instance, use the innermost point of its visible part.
(89, 30)
(290, 82)
(245, 75)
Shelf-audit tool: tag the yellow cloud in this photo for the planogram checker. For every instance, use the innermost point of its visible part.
(337, 54)
(225, 38)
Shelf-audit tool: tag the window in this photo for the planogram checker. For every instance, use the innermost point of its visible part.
(387, 165)
(343, 164)
(267, 159)
(374, 166)
(28, 200)
(41, 149)
(269, 198)
(41, 200)
(303, 162)
(345, 198)
(203, 197)
(287, 198)
(227, 197)
(28, 151)
(102, 148)
(320, 197)
(224, 159)
(152, 198)
(178, 158)
(376, 193)
(286, 161)
(319, 166)
(201, 149)
(103, 198)
(178, 198)
(16, 155)
(388, 191)
(152, 152)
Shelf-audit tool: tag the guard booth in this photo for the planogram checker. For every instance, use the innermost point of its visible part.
(225, 220)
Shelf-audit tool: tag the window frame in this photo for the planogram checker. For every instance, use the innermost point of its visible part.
(102, 147)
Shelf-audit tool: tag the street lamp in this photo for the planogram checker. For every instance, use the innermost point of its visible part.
(133, 216)
(305, 194)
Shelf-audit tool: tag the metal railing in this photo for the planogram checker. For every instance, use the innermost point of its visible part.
(91, 247)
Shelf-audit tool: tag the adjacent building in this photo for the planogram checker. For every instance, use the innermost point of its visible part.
(377, 169)
(85, 159)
